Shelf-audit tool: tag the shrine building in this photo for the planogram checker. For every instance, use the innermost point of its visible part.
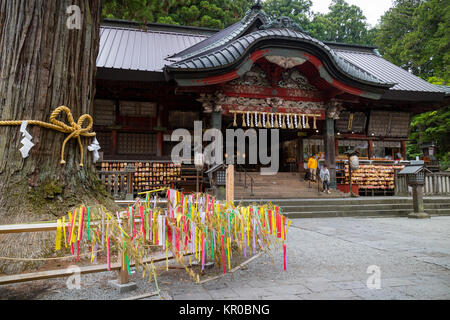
(324, 98)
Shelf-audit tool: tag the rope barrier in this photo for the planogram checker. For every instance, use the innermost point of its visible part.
(75, 129)
(46, 259)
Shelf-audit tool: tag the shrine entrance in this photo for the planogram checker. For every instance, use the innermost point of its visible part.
(293, 145)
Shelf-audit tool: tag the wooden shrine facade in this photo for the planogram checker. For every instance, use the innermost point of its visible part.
(258, 73)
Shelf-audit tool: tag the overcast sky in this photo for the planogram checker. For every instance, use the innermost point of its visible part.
(372, 9)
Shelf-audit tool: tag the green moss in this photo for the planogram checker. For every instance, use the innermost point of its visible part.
(51, 189)
(44, 197)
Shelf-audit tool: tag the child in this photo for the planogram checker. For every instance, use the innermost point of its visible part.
(325, 177)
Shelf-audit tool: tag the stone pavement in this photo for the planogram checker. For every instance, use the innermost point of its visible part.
(328, 258)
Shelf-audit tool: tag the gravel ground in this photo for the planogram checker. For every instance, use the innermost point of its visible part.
(328, 258)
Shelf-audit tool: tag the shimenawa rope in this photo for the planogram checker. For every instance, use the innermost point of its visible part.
(75, 130)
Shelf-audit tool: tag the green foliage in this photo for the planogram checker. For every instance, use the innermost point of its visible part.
(343, 23)
(212, 14)
(297, 10)
(431, 126)
(415, 35)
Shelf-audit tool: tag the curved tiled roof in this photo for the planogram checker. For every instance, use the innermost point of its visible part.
(229, 53)
(222, 37)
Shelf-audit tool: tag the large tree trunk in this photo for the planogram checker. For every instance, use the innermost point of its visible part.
(43, 65)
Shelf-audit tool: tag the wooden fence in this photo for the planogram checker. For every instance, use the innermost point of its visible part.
(435, 184)
(51, 226)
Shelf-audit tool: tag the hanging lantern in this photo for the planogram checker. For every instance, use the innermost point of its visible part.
(354, 162)
(243, 119)
(307, 123)
(251, 120)
(268, 122)
(234, 122)
(314, 123)
(276, 121)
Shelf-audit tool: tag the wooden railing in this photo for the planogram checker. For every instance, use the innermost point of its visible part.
(437, 183)
(119, 183)
(51, 226)
(115, 183)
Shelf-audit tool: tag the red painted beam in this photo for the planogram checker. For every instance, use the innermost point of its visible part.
(261, 53)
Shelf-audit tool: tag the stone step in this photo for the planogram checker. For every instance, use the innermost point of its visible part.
(343, 201)
(368, 207)
(362, 213)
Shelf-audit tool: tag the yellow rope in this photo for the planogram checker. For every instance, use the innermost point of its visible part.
(47, 259)
(75, 130)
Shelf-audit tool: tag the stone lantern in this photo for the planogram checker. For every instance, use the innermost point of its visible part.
(415, 177)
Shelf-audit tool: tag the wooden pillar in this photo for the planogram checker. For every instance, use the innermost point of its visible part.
(159, 135)
(370, 149)
(216, 120)
(123, 276)
(330, 151)
(216, 123)
(300, 159)
(114, 142)
(230, 184)
(403, 149)
(159, 144)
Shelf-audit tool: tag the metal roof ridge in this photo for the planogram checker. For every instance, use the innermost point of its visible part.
(155, 31)
(363, 46)
(155, 24)
(355, 51)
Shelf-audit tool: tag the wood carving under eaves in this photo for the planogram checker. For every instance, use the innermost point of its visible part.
(214, 102)
(257, 78)
(334, 109)
(293, 79)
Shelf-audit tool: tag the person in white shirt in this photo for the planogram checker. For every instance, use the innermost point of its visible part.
(325, 177)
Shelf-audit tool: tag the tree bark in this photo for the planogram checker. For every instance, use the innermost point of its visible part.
(43, 65)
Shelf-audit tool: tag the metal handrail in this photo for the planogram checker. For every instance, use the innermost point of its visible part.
(245, 179)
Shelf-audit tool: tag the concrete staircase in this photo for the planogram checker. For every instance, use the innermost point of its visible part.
(279, 186)
(349, 207)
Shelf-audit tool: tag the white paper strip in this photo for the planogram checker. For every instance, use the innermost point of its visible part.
(94, 147)
(26, 141)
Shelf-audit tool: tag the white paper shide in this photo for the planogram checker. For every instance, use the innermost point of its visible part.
(94, 147)
(26, 141)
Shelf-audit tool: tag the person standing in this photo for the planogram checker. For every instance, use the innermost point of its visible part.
(325, 177)
(312, 167)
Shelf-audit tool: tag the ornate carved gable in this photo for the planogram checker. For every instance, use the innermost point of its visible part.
(267, 86)
(289, 79)
(255, 77)
(293, 79)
